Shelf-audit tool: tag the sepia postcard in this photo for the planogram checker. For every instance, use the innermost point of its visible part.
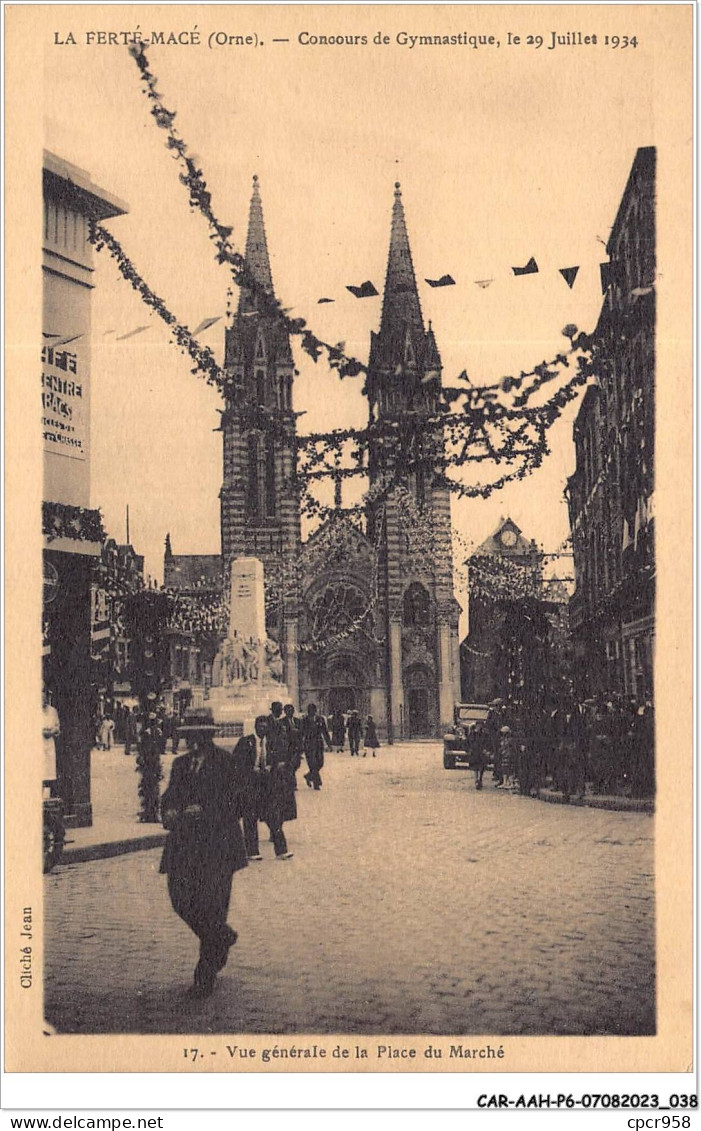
(348, 698)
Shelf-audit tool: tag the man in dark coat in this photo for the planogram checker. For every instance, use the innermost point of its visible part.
(355, 731)
(266, 784)
(280, 803)
(338, 730)
(291, 726)
(205, 846)
(314, 734)
(248, 758)
(131, 730)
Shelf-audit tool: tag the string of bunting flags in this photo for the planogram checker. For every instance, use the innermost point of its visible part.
(494, 424)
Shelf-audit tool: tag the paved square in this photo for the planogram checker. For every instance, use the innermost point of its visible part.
(413, 904)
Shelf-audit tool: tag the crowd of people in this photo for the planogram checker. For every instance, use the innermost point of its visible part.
(604, 743)
(351, 726)
(216, 801)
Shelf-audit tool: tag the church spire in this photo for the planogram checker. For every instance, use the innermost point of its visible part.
(400, 304)
(257, 256)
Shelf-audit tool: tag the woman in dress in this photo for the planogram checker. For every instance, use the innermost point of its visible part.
(371, 740)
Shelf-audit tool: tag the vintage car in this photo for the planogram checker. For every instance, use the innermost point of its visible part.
(455, 741)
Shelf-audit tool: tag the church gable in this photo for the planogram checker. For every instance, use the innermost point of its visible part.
(507, 539)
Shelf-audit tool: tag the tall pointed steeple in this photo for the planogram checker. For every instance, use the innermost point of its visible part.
(254, 335)
(400, 304)
(402, 352)
(257, 256)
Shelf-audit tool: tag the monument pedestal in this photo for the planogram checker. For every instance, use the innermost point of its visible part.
(246, 670)
(235, 710)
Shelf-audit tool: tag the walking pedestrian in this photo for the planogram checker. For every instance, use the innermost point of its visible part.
(338, 731)
(477, 753)
(355, 732)
(371, 741)
(51, 729)
(506, 757)
(205, 846)
(291, 725)
(105, 732)
(131, 730)
(279, 804)
(249, 753)
(314, 734)
(492, 726)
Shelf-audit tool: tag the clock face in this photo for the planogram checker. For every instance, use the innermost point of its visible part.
(508, 538)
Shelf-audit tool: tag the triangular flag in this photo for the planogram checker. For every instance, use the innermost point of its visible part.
(569, 274)
(531, 268)
(483, 282)
(606, 276)
(444, 281)
(138, 330)
(325, 300)
(205, 324)
(365, 290)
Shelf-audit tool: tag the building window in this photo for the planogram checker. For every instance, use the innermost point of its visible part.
(270, 484)
(416, 607)
(260, 386)
(252, 493)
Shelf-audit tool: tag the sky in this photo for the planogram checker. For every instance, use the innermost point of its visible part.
(501, 156)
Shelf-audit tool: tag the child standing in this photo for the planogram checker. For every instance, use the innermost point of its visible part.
(371, 740)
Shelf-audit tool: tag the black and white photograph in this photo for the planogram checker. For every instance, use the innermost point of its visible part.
(359, 517)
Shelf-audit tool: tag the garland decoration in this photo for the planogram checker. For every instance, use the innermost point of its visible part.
(200, 198)
(204, 359)
(503, 425)
(81, 524)
(497, 578)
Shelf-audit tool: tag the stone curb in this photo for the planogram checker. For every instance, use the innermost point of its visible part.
(81, 854)
(617, 804)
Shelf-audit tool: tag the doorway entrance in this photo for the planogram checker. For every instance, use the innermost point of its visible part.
(419, 712)
(342, 699)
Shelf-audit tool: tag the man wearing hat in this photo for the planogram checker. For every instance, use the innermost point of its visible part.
(493, 724)
(205, 846)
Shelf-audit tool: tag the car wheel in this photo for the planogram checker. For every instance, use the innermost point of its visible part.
(449, 761)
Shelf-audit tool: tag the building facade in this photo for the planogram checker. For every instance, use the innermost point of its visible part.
(117, 574)
(73, 533)
(611, 493)
(505, 581)
(364, 613)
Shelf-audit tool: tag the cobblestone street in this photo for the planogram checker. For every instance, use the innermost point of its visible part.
(413, 904)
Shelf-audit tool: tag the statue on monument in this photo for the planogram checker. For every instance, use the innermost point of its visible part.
(247, 656)
(248, 670)
(273, 660)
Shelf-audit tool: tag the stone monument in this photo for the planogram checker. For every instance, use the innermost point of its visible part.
(247, 671)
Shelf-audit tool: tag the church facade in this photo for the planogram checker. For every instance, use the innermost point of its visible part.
(365, 614)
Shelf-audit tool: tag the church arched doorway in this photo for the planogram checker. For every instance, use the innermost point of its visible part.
(345, 688)
(343, 699)
(421, 703)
